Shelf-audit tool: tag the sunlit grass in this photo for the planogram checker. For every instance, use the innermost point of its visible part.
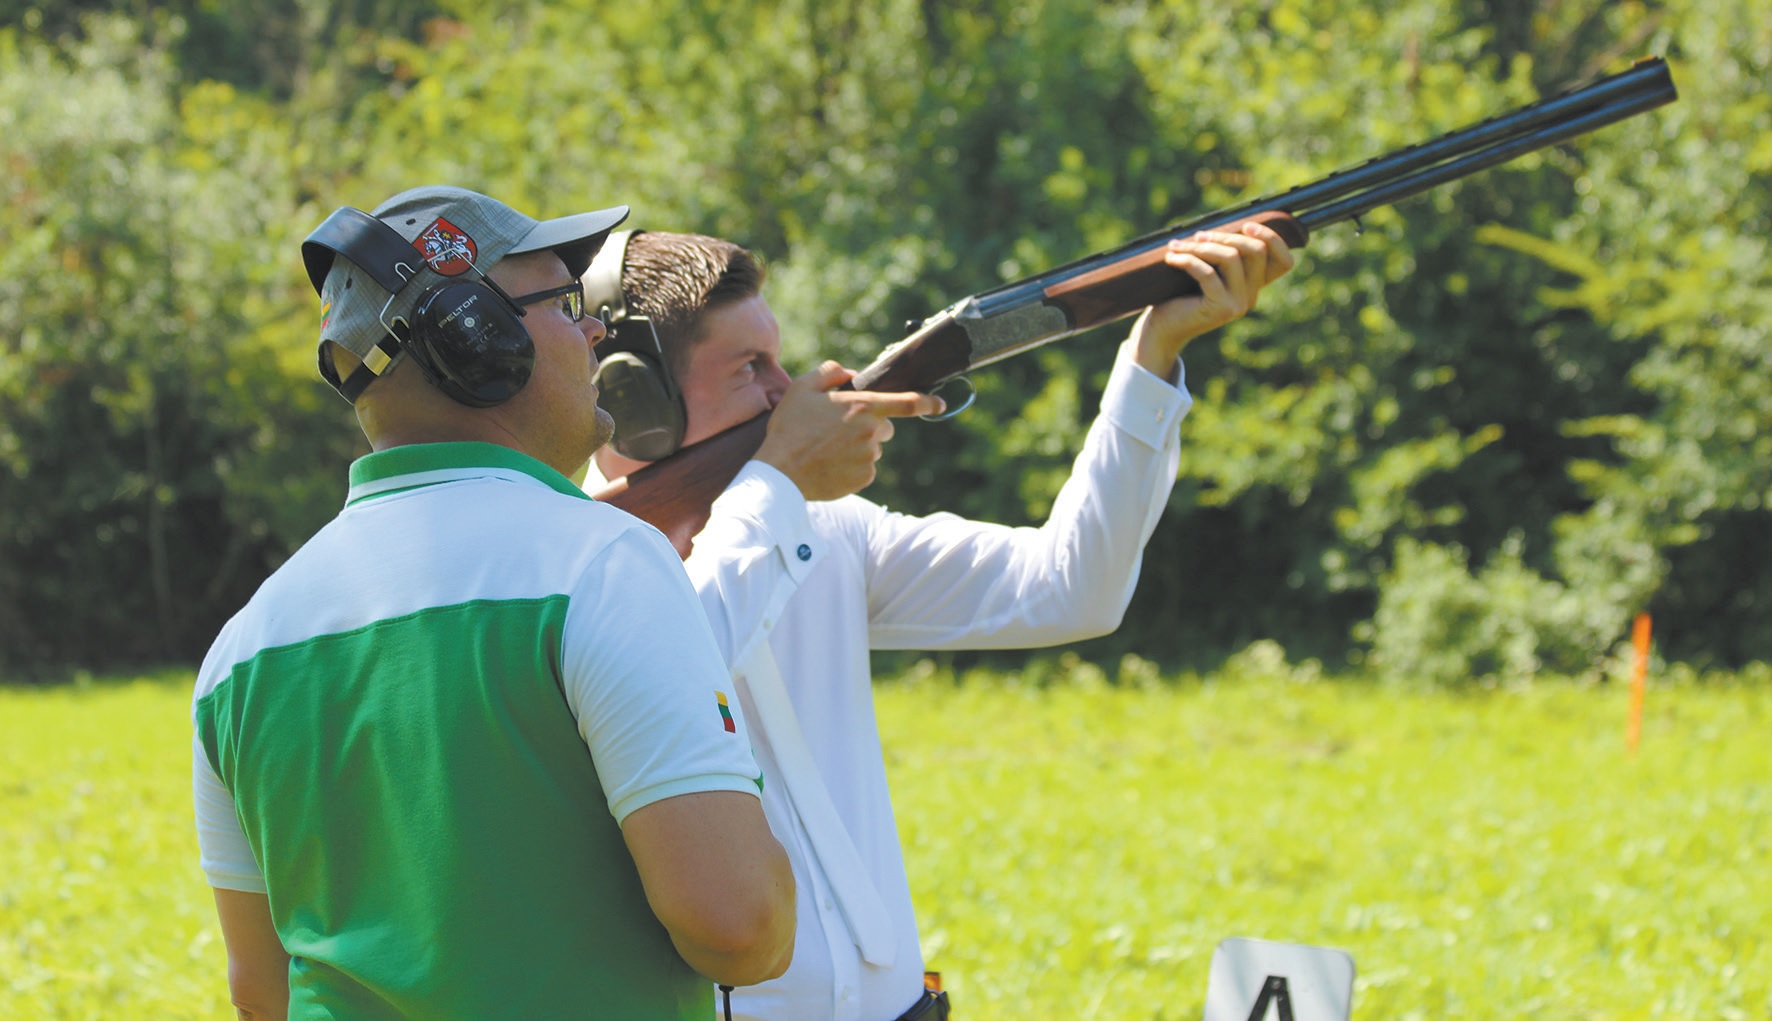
(103, 911)
(1078, 850)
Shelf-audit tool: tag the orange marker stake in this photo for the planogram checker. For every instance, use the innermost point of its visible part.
(1639, 679)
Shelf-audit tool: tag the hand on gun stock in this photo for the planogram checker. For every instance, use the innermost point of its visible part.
(826, 438)
(1230, 266)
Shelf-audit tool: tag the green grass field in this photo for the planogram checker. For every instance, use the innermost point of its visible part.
(1078, 850)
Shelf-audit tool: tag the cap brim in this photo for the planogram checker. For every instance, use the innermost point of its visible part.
(575, 238)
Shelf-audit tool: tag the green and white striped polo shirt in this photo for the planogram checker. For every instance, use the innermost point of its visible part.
(421, 735)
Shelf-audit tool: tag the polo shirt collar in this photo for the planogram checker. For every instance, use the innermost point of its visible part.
(416, 465)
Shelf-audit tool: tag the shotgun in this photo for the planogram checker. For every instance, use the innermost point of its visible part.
(675, 494)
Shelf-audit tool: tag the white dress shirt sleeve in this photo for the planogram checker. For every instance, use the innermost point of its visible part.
(943, 581)
(749, 560)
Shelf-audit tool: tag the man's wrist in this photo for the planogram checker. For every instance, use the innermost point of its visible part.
(1170, 373)
(1167, 369)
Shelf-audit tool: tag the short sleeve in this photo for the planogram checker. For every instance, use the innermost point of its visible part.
(224, 854)
(651, 693)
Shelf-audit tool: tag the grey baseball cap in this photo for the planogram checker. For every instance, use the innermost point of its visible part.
(431, 234)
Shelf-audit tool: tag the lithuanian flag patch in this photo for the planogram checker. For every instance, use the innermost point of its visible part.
(726, 713)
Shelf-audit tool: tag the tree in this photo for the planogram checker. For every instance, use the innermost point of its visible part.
(156, 454)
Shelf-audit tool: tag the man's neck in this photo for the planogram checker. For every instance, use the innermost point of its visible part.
(492, 433)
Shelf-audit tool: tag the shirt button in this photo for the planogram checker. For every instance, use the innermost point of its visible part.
(804, 552)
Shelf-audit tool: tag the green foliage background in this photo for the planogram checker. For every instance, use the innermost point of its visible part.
(1466, 442)
(1078, 847)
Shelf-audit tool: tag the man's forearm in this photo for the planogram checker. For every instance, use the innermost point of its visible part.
(718, 881)
(258, 966)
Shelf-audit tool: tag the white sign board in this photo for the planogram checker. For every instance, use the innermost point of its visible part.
(1259, 980)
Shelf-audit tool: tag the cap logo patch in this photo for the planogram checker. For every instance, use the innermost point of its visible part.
(446, 248)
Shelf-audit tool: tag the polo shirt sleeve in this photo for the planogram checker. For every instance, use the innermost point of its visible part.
(223, 853)
(651, 693)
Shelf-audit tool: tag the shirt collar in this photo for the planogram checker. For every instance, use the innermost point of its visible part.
(413, 466)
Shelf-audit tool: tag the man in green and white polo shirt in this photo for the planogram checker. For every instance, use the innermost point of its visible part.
(472, 752)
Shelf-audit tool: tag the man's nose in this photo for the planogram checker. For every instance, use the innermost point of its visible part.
(775, 383)
(594, 330)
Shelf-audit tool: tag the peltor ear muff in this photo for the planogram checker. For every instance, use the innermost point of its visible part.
(467, 336)
(469, 339)
(633, 377)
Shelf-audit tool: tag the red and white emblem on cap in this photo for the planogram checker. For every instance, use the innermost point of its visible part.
(446, 248)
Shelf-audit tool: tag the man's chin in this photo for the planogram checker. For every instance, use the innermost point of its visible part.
(604, 429)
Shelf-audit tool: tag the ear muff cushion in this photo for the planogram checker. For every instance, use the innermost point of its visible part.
(471, 345)
(649, 418)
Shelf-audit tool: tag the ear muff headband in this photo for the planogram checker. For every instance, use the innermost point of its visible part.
(634, 378)
(376, 248)
(602, 280)
(466, 335)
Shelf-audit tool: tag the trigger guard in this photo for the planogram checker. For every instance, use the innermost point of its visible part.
(971, 395)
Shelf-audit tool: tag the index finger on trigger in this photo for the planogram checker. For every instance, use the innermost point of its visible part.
(905, 404)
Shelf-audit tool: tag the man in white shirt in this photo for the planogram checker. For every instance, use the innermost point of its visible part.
(801, 578)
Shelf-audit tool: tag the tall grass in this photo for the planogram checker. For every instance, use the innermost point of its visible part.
(1077, 850)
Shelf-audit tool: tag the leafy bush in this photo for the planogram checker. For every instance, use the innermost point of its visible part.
(1439, 623)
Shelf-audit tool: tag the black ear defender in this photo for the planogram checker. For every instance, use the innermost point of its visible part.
(467, 336)
(634, 378)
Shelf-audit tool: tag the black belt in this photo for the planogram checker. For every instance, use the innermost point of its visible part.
(932, 1007)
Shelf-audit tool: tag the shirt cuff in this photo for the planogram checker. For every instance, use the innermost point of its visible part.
(763, 495)
(1143, 404)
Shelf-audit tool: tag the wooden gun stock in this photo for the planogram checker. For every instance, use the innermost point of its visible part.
(1118, 289)
(675, 494)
